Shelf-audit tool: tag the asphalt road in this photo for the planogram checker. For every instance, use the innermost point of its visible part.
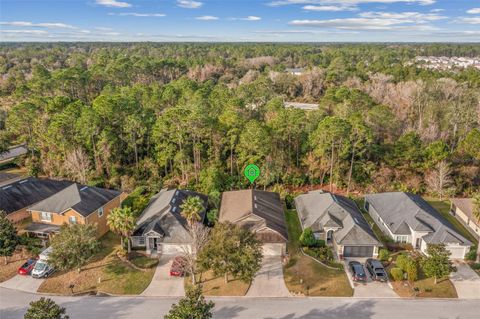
(13, 305)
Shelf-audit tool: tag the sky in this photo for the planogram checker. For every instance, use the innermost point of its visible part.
(241, 20)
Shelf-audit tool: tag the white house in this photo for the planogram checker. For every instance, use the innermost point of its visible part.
(408, 218)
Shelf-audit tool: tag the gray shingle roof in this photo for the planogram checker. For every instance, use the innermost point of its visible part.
(163, 215)
(398, 208)
(83, 199)
(23, 193)
(265, 205)
(319, 210)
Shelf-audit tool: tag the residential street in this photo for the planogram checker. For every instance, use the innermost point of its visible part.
(13, 305)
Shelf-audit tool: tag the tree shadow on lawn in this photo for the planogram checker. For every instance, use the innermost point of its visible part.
(358, 310)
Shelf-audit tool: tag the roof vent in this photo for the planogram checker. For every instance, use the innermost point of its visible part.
(83, 188)
(7, 187)
(24, 181)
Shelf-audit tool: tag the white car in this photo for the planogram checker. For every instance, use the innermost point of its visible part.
(42, 269)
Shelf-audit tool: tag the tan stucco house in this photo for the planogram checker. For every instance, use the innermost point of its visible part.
(462, 208)
(259, 211)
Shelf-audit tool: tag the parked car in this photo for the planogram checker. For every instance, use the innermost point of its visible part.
(27, 267)
(376, 270)
(42, 269)
(358, 274)
(178, 266)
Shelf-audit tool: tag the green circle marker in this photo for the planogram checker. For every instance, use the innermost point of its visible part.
(252, 172)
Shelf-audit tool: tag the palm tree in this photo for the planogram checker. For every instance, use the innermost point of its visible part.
(191, 209)
(476, 213)
(122, 222)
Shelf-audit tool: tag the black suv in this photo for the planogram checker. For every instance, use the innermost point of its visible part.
(358, 274)
(376, 270)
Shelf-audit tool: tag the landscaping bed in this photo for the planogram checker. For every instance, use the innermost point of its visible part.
(423, 287)
(305, 276)
(105, 273)
(216, 286)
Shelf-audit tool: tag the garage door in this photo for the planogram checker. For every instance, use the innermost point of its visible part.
(171, 249)
(273, 249)
(358, 251)
(457, 252)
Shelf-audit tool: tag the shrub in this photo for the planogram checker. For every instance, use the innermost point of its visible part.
(212, 216)
(307, 239)
(396, 274)
(402, 261)
(472, 254)
(383, 254)
(476, 266)
(412, 270)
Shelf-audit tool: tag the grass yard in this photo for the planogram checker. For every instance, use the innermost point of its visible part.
(10, 269)
(106, 273)
(216, 286)
(443, 207)
(306, 276)
(424, 287)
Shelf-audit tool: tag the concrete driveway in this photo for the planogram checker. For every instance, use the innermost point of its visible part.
(162, 283)
(23, 283)
(269, 280)
(466, 281)
(370, 289)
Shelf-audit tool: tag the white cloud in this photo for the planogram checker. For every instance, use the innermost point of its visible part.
(41, 25)
(407, 16)
(136, 14)
(362, 24)
(189, 4)
(103, 29)
(437, 10)
(207, 18)
(330, 8)
(34, 32)
(275, 3)
(249, 18)
(474, 11)
(473, 20)
(113, 3)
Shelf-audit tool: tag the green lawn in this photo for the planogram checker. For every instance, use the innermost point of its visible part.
(443, 207)
(105, 272)
(306, 276)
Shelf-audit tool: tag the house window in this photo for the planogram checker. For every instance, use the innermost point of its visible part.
(46, 216)
(72, 219)
(141, 241)
(401, 239)
(100, 212)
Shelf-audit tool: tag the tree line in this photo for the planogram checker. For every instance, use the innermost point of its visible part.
(119, 115)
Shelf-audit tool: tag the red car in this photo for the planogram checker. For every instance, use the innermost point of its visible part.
(27, 267)
(178, 267)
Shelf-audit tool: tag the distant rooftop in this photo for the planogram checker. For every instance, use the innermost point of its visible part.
(13, 153)
(301, 106)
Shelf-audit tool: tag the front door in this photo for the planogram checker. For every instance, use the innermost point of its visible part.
(418, 243)
(152, 243)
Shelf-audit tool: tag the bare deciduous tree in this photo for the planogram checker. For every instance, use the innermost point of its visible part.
(439, 179)
(199, 235)
(77, 165)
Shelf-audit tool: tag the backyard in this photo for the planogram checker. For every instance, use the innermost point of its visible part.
(105, 273)
(303, 275)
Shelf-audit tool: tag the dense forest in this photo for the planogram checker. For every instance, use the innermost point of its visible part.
(194, 115)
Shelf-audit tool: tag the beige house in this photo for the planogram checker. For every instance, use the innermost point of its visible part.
(259, 211)
(462, 209)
